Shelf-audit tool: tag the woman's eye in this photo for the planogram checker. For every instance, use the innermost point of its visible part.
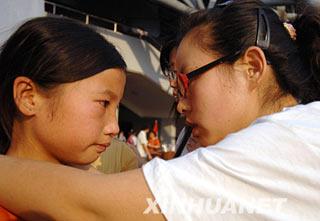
(104, 103)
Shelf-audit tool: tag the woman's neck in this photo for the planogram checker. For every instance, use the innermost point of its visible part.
(279, 105)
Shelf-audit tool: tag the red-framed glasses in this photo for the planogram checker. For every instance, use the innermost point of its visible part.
(184, 79)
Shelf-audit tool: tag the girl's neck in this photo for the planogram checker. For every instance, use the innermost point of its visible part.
(28, 149)
(31, 155)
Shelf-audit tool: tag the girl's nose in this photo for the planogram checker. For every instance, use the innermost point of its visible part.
(112, 127)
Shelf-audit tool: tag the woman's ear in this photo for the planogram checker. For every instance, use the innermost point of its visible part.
(25, 95)
(256, 65)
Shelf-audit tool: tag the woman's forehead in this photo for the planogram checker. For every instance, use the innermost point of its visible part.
(187, 42)
(190, 54)
(185, 52)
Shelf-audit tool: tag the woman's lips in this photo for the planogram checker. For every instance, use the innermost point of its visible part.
(195, 131)
(189, 123)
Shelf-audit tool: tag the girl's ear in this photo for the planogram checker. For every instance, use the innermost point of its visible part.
(25, 95)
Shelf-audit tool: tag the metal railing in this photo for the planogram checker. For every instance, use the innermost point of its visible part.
(89, 19)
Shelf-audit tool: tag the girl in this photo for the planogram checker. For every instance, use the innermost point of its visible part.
(61, 83)
(251, 93)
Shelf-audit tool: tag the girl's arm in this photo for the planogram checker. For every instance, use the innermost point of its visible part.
(44, 191)
(88, 168)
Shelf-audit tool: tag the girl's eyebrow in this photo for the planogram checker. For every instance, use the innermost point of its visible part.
(108, 92)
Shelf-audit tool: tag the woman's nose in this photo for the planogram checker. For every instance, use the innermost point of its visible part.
(183, 106)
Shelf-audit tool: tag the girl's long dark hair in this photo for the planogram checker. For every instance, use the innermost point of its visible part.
(50, 51)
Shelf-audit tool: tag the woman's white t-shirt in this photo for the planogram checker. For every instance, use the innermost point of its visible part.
(268, 171)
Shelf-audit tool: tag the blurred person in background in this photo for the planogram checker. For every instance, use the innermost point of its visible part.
(142, 143)
(154, 145)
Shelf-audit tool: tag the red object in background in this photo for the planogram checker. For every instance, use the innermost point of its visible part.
(5, 215)
(155, 127)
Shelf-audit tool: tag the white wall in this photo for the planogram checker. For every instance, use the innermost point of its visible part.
(141, 57)
(14, 12)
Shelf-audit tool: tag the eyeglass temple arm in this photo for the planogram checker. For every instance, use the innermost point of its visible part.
(212, 64)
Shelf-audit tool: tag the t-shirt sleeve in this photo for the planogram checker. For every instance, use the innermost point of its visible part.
(178, 184)
(244, 177)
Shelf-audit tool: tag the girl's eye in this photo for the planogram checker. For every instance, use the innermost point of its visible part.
(104, 103)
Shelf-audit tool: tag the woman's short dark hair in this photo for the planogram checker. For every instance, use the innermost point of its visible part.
(50, 51)
(166, 50)
(232, 27)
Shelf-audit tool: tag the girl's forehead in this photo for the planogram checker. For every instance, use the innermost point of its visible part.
(105, 82)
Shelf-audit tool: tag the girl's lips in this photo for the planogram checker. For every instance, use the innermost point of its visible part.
(102, 147)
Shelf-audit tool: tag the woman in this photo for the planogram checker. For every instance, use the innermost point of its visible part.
(251, 93)
(53, 72)
(185, 142)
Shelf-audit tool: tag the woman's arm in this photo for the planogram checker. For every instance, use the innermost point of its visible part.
(38, 190)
